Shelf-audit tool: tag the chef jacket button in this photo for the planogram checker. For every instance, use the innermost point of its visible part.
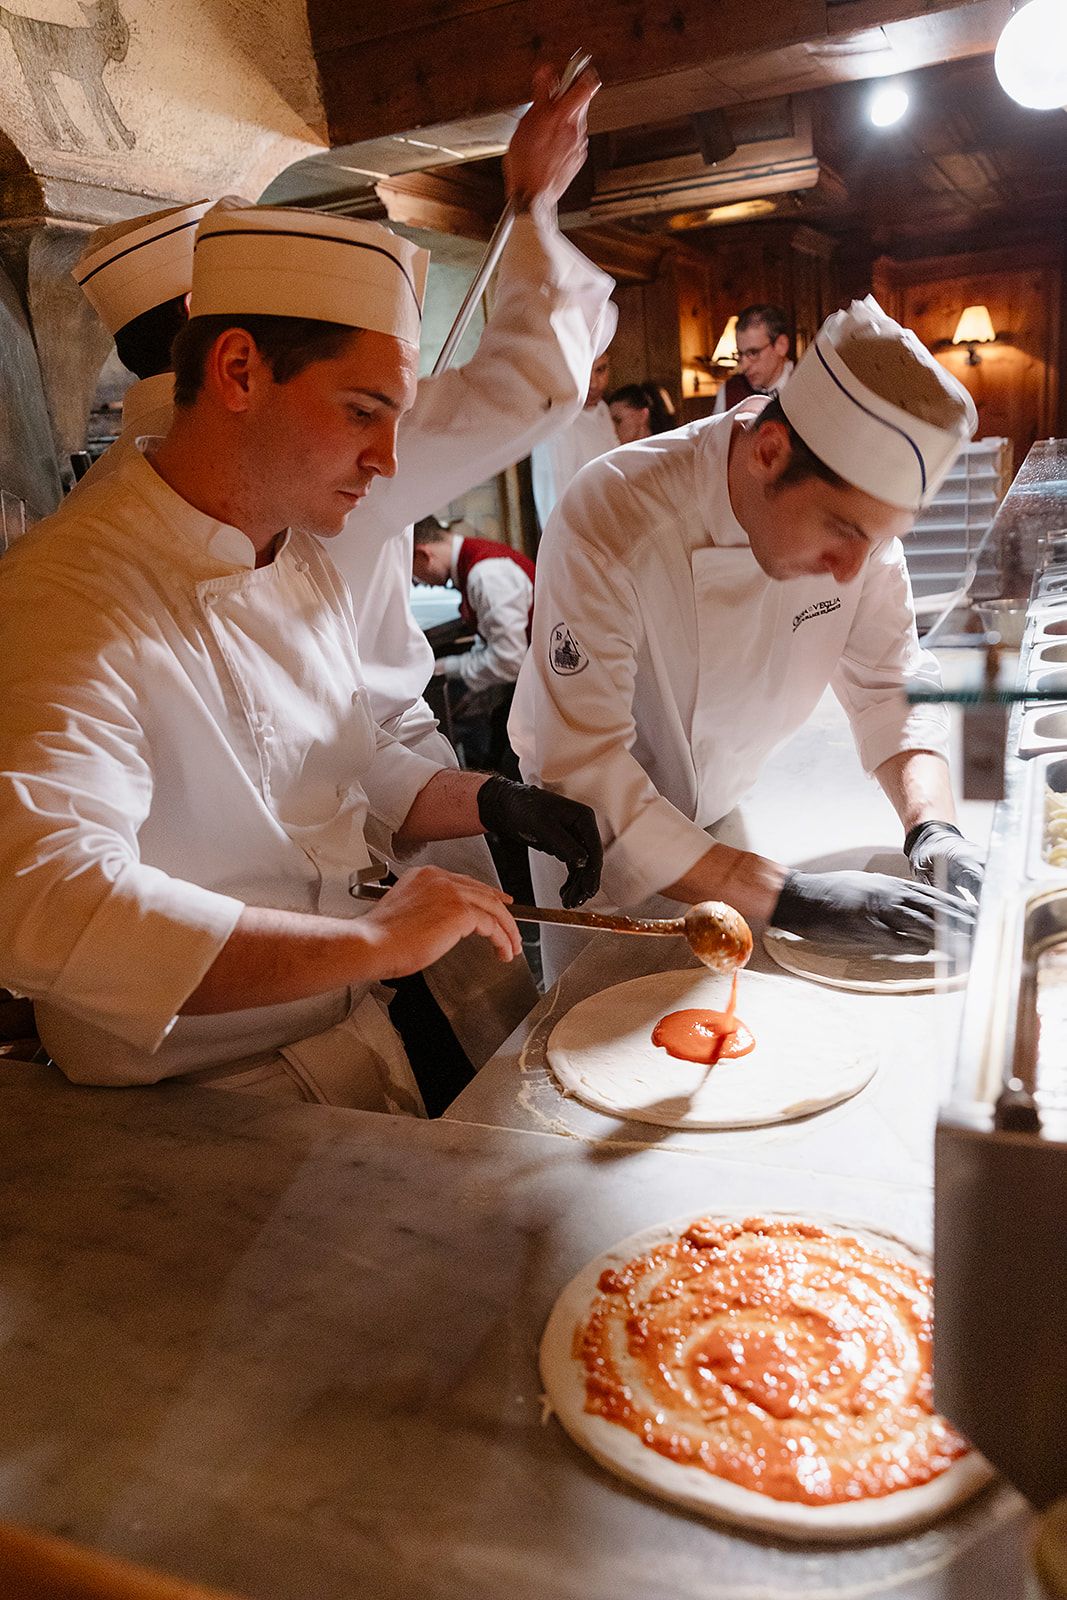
(301, 565)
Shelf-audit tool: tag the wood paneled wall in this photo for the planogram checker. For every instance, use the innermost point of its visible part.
(665, 324)
(1017, 387)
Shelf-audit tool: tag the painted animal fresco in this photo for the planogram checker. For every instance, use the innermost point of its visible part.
(47, 50)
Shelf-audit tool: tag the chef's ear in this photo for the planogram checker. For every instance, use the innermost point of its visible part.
(234, 369)
(770, 453)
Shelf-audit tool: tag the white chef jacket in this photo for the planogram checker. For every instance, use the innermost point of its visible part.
(550, 319)
(500, 594)
(147, 412)
(183, 734)
(555, 461)
(666, 666)
(720, 399)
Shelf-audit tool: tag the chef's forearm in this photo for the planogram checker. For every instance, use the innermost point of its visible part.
(749, 883)
(444, 808)
(918, 785)
(274, 957)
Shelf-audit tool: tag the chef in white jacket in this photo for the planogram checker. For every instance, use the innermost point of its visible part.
(551, 315)
(136, 275)
(696, 594)
(190, 775)
(556, 461)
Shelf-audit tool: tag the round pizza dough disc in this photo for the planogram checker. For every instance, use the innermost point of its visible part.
(621, 1452)
(811, 1052)
(862, 973)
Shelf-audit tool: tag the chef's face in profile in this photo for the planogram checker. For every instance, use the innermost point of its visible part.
(631, 424)
(598, 381)
(809, 527)
(323, 436)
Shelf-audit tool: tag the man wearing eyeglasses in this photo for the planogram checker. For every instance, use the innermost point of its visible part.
(762, 356)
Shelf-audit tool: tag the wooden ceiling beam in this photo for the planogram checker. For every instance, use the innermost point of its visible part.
(418, 64)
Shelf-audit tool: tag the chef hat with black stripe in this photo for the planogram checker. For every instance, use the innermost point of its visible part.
(133, 266)
(875, 406)
(258, 260)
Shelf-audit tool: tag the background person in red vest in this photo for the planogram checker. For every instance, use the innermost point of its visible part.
(496, 587)
(763, 340)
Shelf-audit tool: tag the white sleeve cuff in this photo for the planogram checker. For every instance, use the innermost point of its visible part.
(143, 952)
(657, 848)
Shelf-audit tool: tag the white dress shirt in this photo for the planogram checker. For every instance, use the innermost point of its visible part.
(500, 594)
(184, 734)
(555, 461)
(720, 398)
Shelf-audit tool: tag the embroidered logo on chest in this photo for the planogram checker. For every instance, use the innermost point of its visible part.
(565, 654)
(819, 608)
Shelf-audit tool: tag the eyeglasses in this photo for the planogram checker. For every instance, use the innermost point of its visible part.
(757, 350)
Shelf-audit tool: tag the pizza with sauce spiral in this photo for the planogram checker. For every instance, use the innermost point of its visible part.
(770, 1369)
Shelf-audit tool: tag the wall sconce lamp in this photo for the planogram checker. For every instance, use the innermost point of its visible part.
(723, 359)
(975, 327)
(725, 352)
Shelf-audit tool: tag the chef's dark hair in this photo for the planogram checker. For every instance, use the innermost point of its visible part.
(289, 345)
(773, 319)
(144, 344)
(428, 530)
(651, 398)
(803, 463)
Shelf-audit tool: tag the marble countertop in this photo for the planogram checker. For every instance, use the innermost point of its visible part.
(884, 1132)
(292, 1352)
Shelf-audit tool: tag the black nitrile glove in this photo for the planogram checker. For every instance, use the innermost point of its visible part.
(939, 854)
(869, 911)
(560, 827)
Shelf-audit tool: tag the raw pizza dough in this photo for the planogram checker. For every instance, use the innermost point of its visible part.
(862, 972)
(811, 1052)
(619, 1450)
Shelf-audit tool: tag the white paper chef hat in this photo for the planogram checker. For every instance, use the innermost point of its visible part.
(131, 267)
(257, 260)
(897, 449)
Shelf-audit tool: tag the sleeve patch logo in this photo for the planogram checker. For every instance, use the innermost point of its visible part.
(565, 654)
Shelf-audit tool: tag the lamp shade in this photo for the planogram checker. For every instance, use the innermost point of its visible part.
(725, 352)
(974, 327)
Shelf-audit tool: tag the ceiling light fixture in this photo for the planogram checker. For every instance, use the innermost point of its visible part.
(887, 104)
(1031, 55)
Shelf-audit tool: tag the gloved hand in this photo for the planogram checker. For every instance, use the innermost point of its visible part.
(939, 854)
(869, 911)
(560, 827)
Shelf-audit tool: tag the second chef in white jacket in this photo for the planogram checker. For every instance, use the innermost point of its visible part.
(696, 594)
(551, 315)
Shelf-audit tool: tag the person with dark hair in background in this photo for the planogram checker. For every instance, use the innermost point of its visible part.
(763, 341)
(640, 410)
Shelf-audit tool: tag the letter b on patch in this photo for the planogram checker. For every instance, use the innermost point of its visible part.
(565, 654)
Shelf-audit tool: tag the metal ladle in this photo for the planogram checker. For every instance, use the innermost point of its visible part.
(718, 935)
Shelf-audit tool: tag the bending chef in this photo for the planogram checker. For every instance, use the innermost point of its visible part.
(696, 594)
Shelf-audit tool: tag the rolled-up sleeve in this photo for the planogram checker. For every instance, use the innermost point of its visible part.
(84, 922)
(882, 656)
(396, 777)
(572, 723)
